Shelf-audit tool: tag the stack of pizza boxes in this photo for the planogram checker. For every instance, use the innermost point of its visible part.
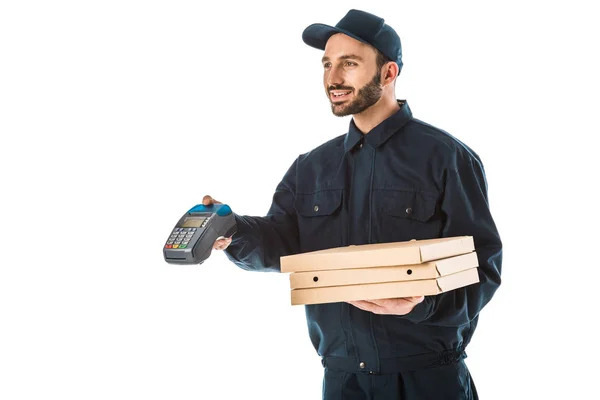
(381, 271)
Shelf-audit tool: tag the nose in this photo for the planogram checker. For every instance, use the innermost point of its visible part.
(334, 76)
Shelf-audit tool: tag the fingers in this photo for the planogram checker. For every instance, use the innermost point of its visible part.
(208, 200)
(221, 243)
(399, 301)
(415, 299)
(368, 306)
(395, 306)
(396, 301)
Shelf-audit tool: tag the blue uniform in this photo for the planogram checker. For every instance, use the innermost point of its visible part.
(403, 180)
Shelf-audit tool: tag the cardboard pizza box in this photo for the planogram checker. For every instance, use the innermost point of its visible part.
(412, 272)
(374, 291)
(378, 255)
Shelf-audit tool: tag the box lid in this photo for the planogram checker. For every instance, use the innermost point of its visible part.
(378, 255)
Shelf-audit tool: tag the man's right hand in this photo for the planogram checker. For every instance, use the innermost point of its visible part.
(222, 242)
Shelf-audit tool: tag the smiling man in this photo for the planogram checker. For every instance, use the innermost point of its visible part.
(350, 64)
(390, 178)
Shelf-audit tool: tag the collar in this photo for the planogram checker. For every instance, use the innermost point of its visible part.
(381, 132)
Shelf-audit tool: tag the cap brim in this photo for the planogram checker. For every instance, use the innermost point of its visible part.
(317, 35)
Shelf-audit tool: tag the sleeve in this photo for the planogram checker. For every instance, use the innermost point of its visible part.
(260, 241)
(466, 209)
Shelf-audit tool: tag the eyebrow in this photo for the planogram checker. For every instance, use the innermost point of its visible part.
(344, 57)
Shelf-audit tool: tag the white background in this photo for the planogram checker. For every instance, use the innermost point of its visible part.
(118, 116)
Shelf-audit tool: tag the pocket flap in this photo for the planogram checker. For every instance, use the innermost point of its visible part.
(318, 204)
(411, 205)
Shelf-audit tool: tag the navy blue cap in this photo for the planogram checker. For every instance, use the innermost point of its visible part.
(362, 26)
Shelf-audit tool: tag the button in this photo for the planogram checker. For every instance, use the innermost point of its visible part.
(169, 241)
(182, 246)
(168, 246)
(175, 246)
(316, 208)
(360, 146)
(362, 365)
(409, 210)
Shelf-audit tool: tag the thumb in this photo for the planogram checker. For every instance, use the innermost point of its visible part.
(208, 200)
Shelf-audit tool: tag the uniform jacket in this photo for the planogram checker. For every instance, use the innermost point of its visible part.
(403, 180)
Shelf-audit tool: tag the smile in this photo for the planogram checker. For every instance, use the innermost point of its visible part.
(339, 95)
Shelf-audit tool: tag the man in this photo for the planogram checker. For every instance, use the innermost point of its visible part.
(390, 178)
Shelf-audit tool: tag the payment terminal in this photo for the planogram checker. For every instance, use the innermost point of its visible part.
(192, 239)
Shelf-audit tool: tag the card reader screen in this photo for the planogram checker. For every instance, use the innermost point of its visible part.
(192, 222)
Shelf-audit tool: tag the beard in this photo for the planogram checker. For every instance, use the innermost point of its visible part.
(366, 97)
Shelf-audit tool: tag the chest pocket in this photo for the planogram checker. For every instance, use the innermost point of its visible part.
(319, 219)
(406, 215)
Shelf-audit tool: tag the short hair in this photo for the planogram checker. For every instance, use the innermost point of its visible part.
(381, 60)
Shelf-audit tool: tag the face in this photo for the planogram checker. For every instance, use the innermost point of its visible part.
(350, 75)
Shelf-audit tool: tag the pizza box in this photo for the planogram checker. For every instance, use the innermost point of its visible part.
(385, 290)
(411, 272)
(378, 255)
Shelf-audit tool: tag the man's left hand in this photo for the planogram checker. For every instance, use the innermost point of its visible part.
(398, 306)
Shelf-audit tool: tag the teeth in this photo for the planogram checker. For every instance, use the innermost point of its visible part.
(340, 94)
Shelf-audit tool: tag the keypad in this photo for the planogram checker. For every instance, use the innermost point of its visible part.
(180, 237)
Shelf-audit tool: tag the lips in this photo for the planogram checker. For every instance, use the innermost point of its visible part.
(339, 95)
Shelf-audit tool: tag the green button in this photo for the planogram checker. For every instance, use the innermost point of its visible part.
(182, 246)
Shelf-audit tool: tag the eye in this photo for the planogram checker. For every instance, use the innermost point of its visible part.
(350, 64)
(327, 65)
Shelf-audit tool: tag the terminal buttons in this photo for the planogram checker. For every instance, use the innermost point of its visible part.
(180, 238)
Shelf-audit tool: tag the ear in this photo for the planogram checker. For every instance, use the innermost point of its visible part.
(389, 73)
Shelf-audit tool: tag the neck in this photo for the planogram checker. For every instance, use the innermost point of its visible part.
(376, 114)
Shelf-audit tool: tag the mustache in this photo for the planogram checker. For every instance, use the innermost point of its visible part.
(339, 87)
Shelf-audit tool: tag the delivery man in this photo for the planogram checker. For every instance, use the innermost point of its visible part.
(390, 178)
